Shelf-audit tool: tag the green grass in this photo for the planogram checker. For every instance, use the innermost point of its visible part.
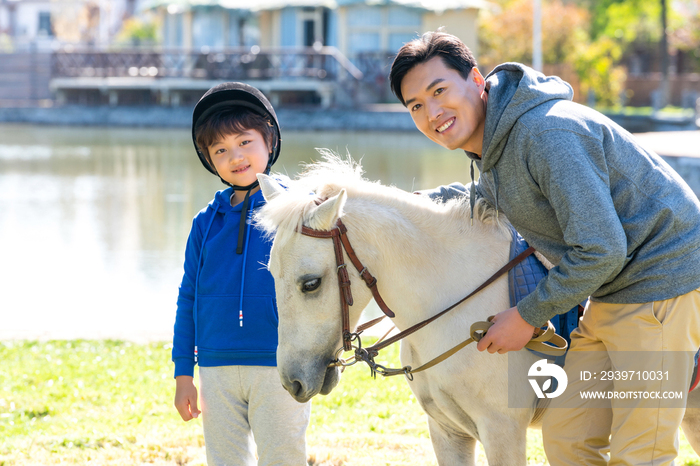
(110, 403)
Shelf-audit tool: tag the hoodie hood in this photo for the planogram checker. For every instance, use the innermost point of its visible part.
(222, 201)
(514, 90)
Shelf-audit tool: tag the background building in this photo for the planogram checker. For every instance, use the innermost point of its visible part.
(364, 37)
(43, 22)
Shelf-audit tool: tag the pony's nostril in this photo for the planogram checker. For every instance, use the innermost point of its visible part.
(295, 388)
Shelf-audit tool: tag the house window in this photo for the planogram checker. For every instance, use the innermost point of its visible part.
(380, 28)
(397, 40)
(173, 29)
(309, 26)
(360, 42)
(309, 32)
(400, 16)
(44, 24)
(251, 31)
(236, 24)
(208, 28)
(364, 16)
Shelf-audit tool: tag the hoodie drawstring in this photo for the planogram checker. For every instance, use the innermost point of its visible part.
(196, 280)
(242, 235)
(472, 193)
(244, 220)
(495, 188)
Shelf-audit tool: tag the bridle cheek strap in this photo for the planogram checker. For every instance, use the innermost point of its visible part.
(369, 279)
(340, 240)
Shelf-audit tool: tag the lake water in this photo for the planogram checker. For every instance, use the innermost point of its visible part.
(93, 221)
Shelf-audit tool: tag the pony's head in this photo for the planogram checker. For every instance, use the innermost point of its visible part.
(380, 220)
(304, 268)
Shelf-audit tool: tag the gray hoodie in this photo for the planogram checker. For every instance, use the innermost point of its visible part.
(618, 223)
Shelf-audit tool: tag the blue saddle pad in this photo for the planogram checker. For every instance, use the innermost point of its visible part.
(523, 279)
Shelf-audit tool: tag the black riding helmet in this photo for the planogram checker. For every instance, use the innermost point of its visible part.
(231, 96)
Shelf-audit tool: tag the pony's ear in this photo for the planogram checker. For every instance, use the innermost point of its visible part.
(270, 188)
(329, 211)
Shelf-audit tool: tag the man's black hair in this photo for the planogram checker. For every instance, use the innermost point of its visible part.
(453, 52)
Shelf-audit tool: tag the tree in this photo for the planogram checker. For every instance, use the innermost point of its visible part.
(138, 31)
(600, 75)
(505, 35)
(593, 36)
(684, 31)
(624, 21)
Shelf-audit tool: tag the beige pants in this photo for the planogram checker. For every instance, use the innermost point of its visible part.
(613, 340)
(246, 406)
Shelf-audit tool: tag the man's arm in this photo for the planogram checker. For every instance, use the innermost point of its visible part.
(572, 174)
(446, 193)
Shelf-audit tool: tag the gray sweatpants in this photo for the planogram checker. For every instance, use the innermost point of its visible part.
(245, 406)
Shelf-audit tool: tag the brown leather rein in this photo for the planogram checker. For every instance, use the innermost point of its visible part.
(477, 331)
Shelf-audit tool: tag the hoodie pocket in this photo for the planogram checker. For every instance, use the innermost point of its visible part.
(221, 327)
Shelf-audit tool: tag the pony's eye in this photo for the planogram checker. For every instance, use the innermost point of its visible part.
(311, 285)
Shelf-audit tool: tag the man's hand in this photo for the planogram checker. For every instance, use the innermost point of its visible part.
(509, 332)
(186, 397)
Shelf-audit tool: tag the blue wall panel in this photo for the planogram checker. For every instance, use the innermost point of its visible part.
(332, 32)
(289, 27)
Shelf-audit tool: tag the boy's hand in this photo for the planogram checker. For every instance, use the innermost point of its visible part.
(186, 397)
(509, 332)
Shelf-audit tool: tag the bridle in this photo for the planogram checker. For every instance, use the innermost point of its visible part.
(340, 241)
(338, 234)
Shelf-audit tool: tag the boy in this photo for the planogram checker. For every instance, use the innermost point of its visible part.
(617, 222)
(226, 311)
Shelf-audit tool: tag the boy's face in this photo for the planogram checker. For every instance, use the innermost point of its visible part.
(444, 106)
(238, 157)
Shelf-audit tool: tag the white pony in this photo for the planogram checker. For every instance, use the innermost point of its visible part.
(425, 256)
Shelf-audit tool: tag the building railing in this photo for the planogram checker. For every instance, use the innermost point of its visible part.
(375, 67)
(324, 64)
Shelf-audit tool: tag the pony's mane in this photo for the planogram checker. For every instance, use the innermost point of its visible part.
(323, 179)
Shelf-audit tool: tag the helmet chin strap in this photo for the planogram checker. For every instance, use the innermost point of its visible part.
(245, 206)
(244, 220)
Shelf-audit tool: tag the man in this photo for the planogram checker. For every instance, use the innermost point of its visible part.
(620, 226)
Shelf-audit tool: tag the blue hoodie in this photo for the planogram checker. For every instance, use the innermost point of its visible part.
(226, 308)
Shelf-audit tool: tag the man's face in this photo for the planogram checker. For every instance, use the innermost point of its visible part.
(444, 106)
